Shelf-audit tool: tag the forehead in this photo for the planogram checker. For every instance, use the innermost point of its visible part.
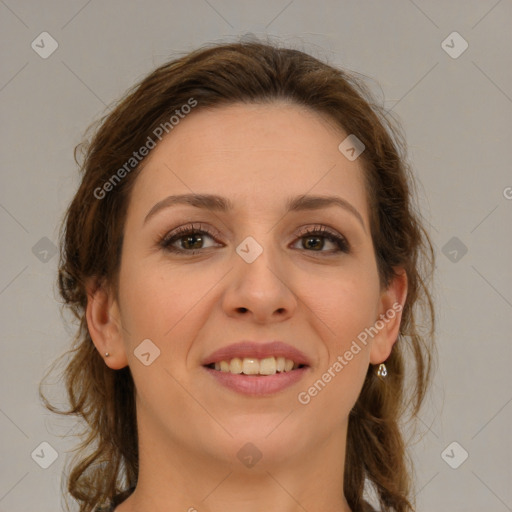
(255, 154)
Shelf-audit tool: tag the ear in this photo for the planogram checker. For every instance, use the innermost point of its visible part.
(103, 321)
(391, 304)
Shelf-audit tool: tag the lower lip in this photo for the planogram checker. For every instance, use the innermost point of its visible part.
(258, 385)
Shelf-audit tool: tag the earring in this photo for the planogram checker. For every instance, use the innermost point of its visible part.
(106, 354)
(382, 371)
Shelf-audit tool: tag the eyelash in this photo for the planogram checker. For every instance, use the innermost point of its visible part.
(318, 230)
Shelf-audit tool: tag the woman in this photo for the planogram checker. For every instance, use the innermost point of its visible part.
(247, 269)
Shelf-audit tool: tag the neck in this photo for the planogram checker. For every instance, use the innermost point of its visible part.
(181, 478)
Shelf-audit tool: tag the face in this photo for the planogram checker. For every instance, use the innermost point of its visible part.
(224, 280)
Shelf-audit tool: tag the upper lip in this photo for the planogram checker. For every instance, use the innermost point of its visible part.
(258, 350)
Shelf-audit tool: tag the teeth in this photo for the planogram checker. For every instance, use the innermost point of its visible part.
(253, 366)
(235, 366)
(268, 366)
(250, 366)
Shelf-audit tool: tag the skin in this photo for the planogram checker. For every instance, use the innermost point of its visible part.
(191, 427)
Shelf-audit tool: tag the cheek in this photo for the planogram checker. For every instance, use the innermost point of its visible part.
(167, 305)
(346, 305)
(152, 305)
(344, 312)
(161, 309)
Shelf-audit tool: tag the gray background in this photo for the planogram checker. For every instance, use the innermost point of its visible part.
(456, 113)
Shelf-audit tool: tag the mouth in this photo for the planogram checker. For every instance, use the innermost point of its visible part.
(257, 369)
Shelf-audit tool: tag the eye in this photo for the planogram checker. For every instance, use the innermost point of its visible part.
(314, 238)
(190, 238)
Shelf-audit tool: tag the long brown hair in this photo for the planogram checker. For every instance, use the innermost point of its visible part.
(106, 463)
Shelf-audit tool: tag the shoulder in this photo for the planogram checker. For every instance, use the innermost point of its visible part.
(105, 508)
(115, 501)
(368, 508)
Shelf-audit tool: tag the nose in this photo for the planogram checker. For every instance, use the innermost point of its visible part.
(261, 290)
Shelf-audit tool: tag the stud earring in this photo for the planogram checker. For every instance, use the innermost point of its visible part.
(382, 371)
(106, 354)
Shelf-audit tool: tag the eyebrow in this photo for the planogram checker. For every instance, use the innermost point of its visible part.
(223, 204)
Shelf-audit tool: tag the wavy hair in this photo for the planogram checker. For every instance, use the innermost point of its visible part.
(91, 238)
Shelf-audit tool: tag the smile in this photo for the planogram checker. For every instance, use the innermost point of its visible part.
(254, 366)
(257, 368)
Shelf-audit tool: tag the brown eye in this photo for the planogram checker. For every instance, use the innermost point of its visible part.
(190, 240)
(313, 240)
